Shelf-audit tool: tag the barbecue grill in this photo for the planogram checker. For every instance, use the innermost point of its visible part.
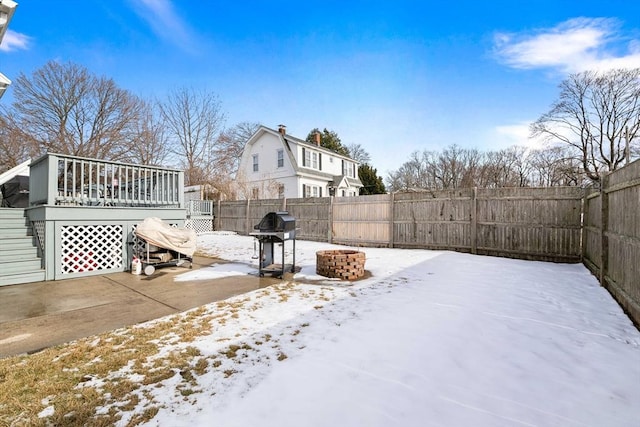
(275, 227)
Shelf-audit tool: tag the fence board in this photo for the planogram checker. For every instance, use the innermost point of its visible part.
(312, 217)
(362, 220)
(530, 223)
(433, 219)
(611, 244)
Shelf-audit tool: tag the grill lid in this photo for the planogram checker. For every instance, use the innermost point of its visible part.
(276, 222)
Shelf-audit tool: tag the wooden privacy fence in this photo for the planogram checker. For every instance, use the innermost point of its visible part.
(528, 223)
(611, 236)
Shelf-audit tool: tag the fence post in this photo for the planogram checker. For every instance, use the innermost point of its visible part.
(330, 225)
(584, 222)
(247, 226)
(218, 218)
(284, 204)
(474, 220)
(604, 239)
(392, 205)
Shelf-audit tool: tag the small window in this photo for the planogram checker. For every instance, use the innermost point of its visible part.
(315, 191)
(280, 158)
(315, 161)
(307, 158)
(255, 163)
(255, 192)
(280, 191)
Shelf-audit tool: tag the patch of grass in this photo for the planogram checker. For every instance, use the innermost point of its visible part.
(232, 351)
(186, 392)
(201, 366)
(146, 416)
(229, 372)
(154, 377)
(63, 376)
(281, 356)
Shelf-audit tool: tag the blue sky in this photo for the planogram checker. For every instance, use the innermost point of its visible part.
(393, 76)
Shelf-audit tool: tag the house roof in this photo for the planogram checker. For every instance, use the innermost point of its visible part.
(304, 143)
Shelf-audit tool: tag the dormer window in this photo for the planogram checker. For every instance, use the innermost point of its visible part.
(255, 163)
(307, 158)
(311, 159)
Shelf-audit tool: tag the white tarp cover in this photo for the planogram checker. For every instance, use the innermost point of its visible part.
(159, 233)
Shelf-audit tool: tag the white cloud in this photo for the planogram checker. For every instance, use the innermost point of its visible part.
(165, 22)
(517, 134)
(575, 45)
(14, 41)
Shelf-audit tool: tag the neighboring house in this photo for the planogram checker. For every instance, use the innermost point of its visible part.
(277, 165)
(7, 9)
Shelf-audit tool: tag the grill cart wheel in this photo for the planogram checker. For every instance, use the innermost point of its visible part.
(149, 270)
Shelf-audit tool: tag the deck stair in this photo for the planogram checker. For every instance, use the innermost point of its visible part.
(19, 260)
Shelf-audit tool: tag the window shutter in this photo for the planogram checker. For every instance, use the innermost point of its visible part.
(344, 172)
(303, 159)
(319, 191)
(304, 188)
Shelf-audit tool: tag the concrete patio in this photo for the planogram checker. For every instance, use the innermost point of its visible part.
(36, 316)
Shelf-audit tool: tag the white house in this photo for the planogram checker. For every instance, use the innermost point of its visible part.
(277, 165)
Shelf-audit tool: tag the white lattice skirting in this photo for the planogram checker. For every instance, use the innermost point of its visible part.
(91, 247)
(39, 228)
(200, 225)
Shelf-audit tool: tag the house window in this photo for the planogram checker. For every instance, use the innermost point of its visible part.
(311, 191)
(255, 163)
(314, 164)
(280, 158)
(348, 169)
(307, 158)
(255, 192)
(280, 191)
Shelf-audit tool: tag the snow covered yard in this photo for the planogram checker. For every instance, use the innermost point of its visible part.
(431, 338)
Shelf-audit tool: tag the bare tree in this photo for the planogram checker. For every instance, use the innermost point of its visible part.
(230, 146)
(63, 108)
(456, 167)
(359, 154)
(555, 166)
(148, 140)
(13, 149)
(194, 121)
(592, 115)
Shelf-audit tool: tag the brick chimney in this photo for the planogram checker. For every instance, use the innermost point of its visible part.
(282, 129)
(317, 136)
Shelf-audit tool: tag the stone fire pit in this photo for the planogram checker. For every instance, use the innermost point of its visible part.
(340, 264)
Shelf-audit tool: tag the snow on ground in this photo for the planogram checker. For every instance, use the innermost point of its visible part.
(430, 339)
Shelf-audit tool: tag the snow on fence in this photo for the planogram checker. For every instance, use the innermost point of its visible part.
(611, 236)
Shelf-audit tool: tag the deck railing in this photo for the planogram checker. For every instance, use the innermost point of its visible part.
(58, 179)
